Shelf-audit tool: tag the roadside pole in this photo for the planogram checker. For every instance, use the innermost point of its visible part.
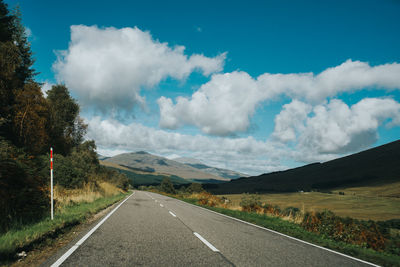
(51, 182)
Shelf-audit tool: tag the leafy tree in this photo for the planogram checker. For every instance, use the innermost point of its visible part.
(66, 127)
(31, 118)
(195, 188)
(167, 186)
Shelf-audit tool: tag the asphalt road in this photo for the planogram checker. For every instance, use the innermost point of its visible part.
(153, 230)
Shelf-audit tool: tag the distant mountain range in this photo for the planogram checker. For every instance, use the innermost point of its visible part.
(140, 164)
(375, 166)
(211, 170)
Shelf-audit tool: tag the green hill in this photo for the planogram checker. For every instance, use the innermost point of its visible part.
(138, 179)
(375, 166)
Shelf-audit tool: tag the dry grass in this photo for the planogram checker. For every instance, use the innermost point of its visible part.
(359, 203)
(88, 193)
(391, 190)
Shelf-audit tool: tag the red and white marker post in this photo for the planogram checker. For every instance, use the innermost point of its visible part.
(51, 182)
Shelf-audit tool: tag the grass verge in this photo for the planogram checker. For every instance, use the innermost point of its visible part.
(295, 230)
(27, 237)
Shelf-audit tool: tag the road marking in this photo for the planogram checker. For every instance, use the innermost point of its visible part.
(161, 205)
(206, 242)
(170, 212)
(269, 230)
(73, 248)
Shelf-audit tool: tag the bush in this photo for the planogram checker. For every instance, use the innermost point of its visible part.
(363, 233)
(167, 186)
(250, 203)
(208, 199)
(24, 196)
(194, 188)
(269, 209)
(290, 211)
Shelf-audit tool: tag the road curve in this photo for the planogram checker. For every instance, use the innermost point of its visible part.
(154, 230)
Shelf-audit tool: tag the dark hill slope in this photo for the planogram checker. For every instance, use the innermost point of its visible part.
(374, 166)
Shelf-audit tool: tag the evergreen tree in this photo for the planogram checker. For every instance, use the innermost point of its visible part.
(66, 127)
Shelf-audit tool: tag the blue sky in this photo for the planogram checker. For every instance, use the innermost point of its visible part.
(233, 111)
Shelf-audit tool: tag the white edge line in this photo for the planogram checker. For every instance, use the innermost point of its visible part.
(206, 242)
(170, 212)
(266, 229)
(74, 247)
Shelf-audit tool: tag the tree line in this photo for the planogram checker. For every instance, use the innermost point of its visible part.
(31, 123)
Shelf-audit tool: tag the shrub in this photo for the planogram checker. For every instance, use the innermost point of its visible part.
(250, 203)
(269, 209)
(23, 191)
(208, 199)
(290, 211)
(167, 186)
(194, 188)
(363, 233)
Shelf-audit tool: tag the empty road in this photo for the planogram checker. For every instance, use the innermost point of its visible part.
(153, 230)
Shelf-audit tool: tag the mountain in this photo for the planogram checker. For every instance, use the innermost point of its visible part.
(195, 163)
(376, 166)
(147, 163)
(101, 157)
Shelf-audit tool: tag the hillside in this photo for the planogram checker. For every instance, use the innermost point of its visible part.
(144, 162)
(211, 170)
(375, 166)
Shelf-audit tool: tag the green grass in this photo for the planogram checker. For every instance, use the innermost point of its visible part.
(295, 230)
(28, 236)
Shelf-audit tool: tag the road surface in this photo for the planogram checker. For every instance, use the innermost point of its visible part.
(153, 230)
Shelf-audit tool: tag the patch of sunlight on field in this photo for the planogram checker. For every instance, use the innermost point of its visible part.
(375, 203)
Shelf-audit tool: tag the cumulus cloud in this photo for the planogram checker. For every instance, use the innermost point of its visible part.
(107, 67)
(221, 107)
(333, 127)
(290, 121)
(243, 154)
(225, 104)
(46, 86)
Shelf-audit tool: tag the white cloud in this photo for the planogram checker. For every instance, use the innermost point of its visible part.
(243, 154)
(107, 67)
(334, 128)
(222, 106)
(225, 104)
(28, 32)
(290, 121)
(46, 86)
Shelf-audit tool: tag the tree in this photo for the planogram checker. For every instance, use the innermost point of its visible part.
(195, 188)
(15, 66)
(31, 118)
(66, 127)
(167, 186)
(24, 71)
(6, 23)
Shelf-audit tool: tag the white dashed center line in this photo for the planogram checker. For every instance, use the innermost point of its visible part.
(161, 205)
(208, 244)
(172, 213)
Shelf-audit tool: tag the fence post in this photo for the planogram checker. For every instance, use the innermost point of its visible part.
(51, 182)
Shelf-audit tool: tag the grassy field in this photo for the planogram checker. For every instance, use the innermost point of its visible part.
(377, 203)
(73, 207)
(295, 230)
